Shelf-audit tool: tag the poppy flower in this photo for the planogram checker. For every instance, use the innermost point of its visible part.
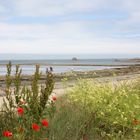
(54, 98)
(20, 111)
(7, 134)
(35, 127)
(45, 123)
(135, 122)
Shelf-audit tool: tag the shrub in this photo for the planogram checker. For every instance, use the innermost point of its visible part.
(24, 106)
(116, 105)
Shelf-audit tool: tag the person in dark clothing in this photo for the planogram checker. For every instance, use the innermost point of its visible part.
(51, 69)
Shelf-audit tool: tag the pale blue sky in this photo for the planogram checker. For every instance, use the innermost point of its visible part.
(74, 26)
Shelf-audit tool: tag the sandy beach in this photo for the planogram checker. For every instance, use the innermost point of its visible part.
(59, 88)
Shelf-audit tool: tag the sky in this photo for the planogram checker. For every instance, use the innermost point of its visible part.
(70, 26)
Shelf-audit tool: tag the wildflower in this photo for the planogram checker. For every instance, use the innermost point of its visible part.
(45, 123)
(20, 111)
(7, 134)
(54, 98)
(135, 122)
(35, 127)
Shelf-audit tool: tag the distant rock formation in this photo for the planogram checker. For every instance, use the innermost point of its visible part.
(74, 59)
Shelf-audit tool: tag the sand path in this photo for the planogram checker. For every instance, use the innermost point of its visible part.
(60, 90)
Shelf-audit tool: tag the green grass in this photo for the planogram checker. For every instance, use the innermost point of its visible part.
(98, 111)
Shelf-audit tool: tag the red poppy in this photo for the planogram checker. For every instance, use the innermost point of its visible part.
(45, 123)
(35, 127)
(54, 98)
(135, 122)
(20, 111)
(7, 134)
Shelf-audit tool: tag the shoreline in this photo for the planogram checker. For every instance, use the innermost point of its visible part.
(47, 64)
(72, 75)
(59, 88)
(101, 76)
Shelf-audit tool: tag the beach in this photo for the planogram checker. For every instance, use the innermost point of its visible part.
(73, 75)
(100, 76)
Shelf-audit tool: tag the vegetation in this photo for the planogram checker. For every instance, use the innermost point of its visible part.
(23, 109)
(114, 108)
(89, 111)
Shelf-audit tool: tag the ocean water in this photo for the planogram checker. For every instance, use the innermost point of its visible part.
(28, 63)
(28, 69)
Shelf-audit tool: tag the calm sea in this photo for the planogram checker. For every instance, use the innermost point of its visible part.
(28, 59)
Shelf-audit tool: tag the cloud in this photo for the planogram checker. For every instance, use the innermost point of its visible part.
(2, 9)
(63, 7)
(61, 26)
(59, 46)
(55, 7)
(65, 37)
(59, 8)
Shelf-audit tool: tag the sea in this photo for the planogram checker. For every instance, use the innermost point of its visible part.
(28, 61)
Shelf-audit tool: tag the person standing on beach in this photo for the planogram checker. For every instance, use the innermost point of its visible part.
(51, 69)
